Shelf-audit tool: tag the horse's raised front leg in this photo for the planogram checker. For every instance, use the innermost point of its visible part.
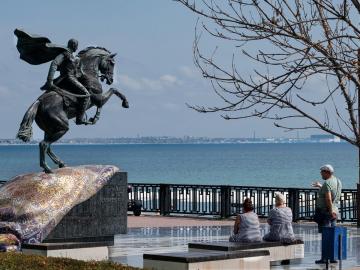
(125, 103)
(102, 99)
(96, 117)
(113, 91)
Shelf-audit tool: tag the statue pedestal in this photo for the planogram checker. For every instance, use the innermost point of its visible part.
(99, 218)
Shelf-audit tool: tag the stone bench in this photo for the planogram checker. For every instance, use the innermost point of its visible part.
(238, 260)
(86, 251)
(278, 251)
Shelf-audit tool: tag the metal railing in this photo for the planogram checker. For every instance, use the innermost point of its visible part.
(225, 201)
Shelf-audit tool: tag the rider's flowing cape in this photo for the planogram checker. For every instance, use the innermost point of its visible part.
(31, 205)
(36, 49)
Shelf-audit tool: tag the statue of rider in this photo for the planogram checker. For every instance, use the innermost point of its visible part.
(67, 64)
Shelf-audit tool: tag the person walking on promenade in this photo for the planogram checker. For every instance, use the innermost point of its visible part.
(247, 225)
(280, 221)
(327, 212)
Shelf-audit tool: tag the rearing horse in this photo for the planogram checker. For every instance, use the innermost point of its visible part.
(53, 109)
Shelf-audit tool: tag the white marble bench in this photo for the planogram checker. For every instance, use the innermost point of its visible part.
(239, 260)
(86, 251)
(278, 251)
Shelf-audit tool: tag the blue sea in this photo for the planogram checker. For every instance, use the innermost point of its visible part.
(278, 165)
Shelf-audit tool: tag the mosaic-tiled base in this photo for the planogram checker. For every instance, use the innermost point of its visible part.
(31, 205)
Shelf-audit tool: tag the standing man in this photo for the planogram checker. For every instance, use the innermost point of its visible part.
(329, 194)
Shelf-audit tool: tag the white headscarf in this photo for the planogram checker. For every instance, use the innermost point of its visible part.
(280, 197)
(327, 167)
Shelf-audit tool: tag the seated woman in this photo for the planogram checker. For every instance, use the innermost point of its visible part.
(280, 221)
(247, 226)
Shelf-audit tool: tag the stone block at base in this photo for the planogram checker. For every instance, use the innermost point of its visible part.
(97, 219)
(278, 251)
(208, 260)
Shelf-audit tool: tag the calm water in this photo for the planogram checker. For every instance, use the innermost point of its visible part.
(282, 165)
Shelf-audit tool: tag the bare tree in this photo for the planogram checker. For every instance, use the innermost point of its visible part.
(290, 43)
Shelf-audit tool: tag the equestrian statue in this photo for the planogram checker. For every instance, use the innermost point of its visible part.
(68, 96)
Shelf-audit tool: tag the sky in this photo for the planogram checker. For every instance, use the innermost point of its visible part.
(154, 68)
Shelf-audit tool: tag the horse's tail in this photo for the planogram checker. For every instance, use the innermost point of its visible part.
(25, 130)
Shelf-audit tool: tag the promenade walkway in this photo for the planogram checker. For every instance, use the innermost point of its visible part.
(152, 233)
(160, 221)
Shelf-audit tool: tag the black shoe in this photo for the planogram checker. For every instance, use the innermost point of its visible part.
(322, 261)
(333, 261)
(81, 112)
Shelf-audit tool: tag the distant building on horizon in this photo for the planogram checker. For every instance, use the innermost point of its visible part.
(324, 138)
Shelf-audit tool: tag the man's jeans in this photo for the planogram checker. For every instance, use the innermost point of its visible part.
(327, 223)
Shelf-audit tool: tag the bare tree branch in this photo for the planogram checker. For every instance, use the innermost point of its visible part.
(291, 44)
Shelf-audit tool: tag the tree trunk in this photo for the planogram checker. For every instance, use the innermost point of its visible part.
(358, 120)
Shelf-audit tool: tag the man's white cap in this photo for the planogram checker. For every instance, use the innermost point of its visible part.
(327, 167)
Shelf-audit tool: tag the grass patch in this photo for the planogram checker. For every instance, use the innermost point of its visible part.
(19, 261)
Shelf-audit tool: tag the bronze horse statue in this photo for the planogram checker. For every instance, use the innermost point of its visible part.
(53, 109)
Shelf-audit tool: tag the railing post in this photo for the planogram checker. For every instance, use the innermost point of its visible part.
(164, 199)
(194, 207)
(294, 203)
(225, 201)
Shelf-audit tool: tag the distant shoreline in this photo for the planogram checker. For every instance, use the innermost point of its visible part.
(185, 143)
(181, 140)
